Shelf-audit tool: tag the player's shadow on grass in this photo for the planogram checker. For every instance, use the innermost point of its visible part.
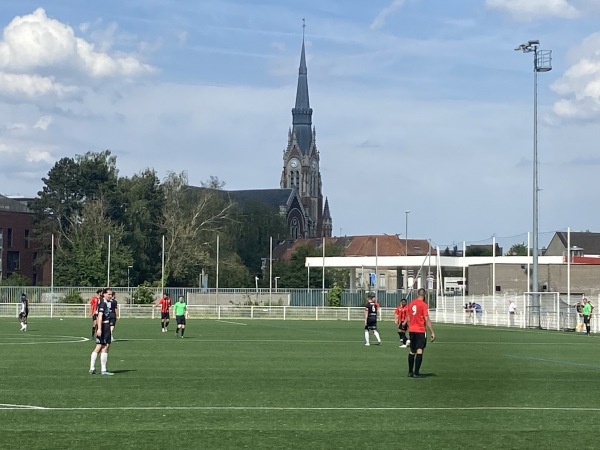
(123, 370)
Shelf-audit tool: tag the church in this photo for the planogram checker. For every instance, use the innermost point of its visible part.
(300, 196)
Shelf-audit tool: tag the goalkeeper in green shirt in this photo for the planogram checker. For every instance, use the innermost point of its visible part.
(587, 314)
(180, 311)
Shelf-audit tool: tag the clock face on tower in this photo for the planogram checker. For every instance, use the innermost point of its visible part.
(294, 163)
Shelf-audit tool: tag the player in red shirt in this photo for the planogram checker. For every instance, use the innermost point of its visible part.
(165, 304)
(400, 313)
(418, 321)
(94, 310)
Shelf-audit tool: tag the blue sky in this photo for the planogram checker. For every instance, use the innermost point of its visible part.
(419, 105)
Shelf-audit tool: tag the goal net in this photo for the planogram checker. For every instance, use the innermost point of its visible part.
(550, 311)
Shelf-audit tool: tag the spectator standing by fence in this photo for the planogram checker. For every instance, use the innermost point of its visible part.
(512, 311)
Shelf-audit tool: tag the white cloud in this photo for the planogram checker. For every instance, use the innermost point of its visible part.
(383, 15)
(35, 41)
(535, 9)
(580, 83)
(24, 86)
(43, 123)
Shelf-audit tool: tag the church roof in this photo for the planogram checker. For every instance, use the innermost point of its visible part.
(270, 197)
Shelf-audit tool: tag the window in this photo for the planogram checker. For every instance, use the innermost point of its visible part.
(26, 238)
(9, 237)
(12, 260)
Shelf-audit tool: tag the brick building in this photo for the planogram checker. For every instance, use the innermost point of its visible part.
(17, 249)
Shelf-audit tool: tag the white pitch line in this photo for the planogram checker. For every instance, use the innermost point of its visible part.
(298, 408)
(73, 340)
(234, 323)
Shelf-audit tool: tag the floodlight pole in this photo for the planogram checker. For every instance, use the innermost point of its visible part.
(539, 65)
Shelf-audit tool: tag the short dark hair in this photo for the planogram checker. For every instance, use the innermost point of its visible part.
(99, 291)
(422, 292)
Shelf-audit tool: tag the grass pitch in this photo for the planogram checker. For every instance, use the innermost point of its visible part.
(294, 384)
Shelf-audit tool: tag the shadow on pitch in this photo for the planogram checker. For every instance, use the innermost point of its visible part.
(123, 370)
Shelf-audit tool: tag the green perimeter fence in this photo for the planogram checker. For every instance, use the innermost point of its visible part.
(214, 297)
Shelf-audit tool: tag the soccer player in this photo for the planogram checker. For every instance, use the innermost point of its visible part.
(24, 312)
(114, 314)
(587, 315)
(418, 321)
(180, 311)
(371, 310)
(165, 305)
(400, 314)
(93, 306)
(103, 333)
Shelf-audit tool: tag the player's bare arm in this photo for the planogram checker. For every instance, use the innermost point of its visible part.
(430, 327)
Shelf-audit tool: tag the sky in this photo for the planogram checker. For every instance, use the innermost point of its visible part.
(419, 105)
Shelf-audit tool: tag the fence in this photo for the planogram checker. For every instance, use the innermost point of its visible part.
(196, 296)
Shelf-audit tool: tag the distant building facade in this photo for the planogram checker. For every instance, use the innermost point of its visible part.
(18, 251)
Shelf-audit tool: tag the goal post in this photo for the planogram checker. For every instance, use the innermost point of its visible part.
(549, 311)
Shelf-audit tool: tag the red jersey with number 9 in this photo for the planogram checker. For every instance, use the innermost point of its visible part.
(417, 311)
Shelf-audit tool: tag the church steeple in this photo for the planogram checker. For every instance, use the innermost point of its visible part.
(302, 112)
(301, 160)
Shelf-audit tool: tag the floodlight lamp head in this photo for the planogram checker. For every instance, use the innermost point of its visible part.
(533, 42)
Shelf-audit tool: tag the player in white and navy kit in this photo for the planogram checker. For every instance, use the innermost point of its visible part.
(24, 312)
(103, 334)
(114, 312)
(371, 309)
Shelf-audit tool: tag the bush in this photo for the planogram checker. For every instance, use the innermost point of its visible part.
(143, 295)
(334, 298)
(73, 298)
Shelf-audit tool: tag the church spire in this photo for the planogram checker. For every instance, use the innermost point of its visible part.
(302, 112)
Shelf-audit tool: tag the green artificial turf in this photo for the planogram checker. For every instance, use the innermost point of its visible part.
(294, 384)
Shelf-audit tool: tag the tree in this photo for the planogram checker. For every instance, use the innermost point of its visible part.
(191, 218)
(143, 203)
(69, 186)
(81, 259)
(517, 250)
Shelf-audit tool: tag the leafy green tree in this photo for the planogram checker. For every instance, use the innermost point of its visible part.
(474, 250)
(517, 250)
(256, 225)
(69, 186)
(143, 203)
(16, 279)
(81, 259)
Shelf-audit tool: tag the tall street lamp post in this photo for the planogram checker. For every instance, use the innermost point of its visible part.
(542, 62)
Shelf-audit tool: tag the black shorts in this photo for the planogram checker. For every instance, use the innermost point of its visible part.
(586, 319)
(112, 320)
(180, 320)
(371, 324)
(165, 315)
(94, 316)
(105, 335)
(23, 317)
(402, 327)
(417, 341)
